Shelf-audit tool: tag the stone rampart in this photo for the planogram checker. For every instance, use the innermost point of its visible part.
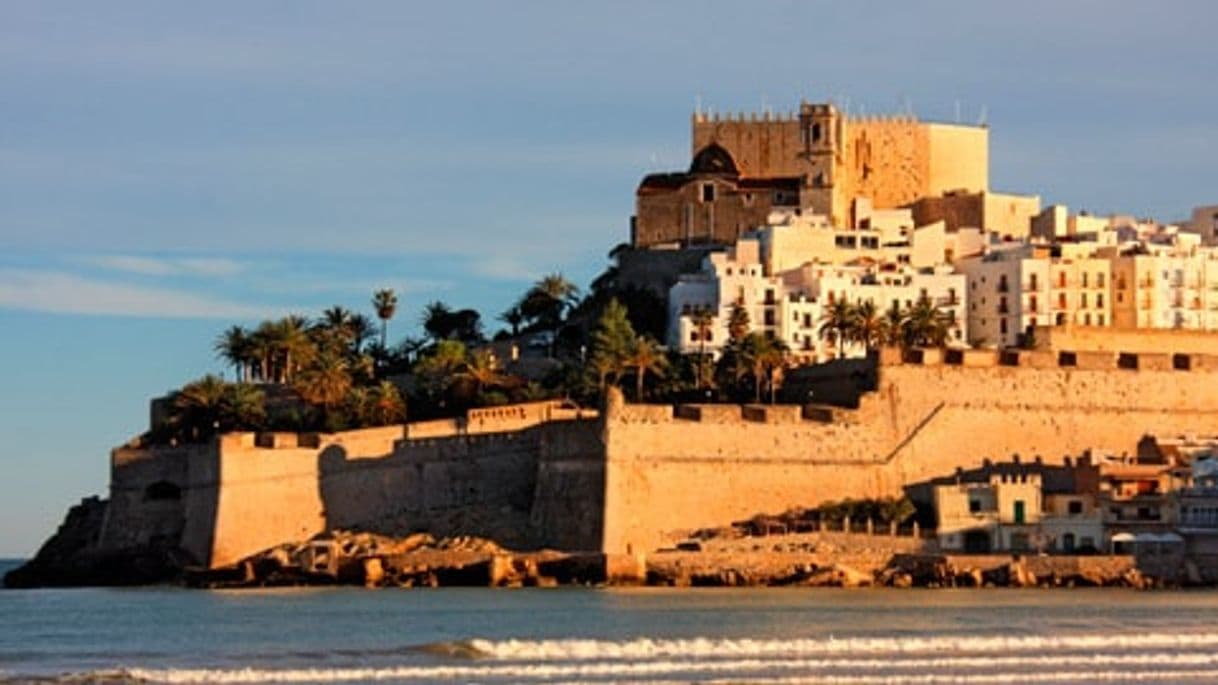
(639, 476)
(671, 472)
(523, 475)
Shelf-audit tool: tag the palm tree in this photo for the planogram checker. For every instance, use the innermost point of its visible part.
(387, 405)
(233, 345)
(336, 318)
(927, 325)
(483, 369)
(773, 361)
(438, 368)
(198, 405)
(362, 329)
(243, 407)
(835, 323)
(294, 347)
(894, 324)
(513, 317)
(644, 356)
(325, 382)
(702, 321)
(386, 304)
(263, 349)
(737, 322)
(437, 320)
(549, 299)
(749, 354)
(866, 325)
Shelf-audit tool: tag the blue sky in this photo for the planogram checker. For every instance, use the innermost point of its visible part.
(168, 169)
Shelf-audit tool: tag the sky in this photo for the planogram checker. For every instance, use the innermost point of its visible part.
(169, 169)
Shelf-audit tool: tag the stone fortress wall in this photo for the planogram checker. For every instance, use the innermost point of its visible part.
(524, 474)
(640, 476)
(893, 160)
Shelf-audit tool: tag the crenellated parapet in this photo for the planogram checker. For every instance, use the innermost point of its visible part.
(1082, 360)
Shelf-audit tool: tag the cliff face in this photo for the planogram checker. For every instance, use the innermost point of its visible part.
(74, 557)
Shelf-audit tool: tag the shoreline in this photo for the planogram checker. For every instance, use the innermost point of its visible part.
(807, 559)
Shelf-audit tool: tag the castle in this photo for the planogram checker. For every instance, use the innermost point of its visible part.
(820, 161)
(638, 477)
(781, 214)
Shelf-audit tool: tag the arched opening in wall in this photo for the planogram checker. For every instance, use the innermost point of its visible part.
(1068, 543)
(162, 490)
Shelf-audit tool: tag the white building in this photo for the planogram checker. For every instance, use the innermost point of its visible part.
(784, 276)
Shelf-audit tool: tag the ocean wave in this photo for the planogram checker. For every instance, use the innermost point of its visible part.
(1026, 668)
(647, 648)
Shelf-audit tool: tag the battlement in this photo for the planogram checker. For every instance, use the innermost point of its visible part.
(1081, 360)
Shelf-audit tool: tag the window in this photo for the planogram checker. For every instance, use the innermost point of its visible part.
(1099, 300)
(1099, 280)
(1033, 282)
(1002, 326)
(708, 192)
(1084, 279)
(974, 506)
(1075, 507)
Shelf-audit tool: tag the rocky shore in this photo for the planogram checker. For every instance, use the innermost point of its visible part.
(738, 559)
(807, 560)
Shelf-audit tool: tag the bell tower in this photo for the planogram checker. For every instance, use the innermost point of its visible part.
(819, 136)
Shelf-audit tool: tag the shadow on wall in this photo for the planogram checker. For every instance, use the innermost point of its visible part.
(444, 487)
(839, 383)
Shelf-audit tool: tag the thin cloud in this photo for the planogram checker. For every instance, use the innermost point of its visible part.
(159, 266)
(301, 285)
(63, 293)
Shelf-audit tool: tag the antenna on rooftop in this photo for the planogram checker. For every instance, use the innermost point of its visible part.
(957, 110)
(985, 116)
(698, 104)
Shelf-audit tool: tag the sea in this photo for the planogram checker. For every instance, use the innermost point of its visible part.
(618, 635)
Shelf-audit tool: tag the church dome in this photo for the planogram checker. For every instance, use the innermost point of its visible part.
(714, 159)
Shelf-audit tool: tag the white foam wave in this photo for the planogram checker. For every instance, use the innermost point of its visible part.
(1047, 668)
(645, 648)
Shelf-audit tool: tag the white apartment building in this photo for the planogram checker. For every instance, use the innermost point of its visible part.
(1167, 290)
(790, 304)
